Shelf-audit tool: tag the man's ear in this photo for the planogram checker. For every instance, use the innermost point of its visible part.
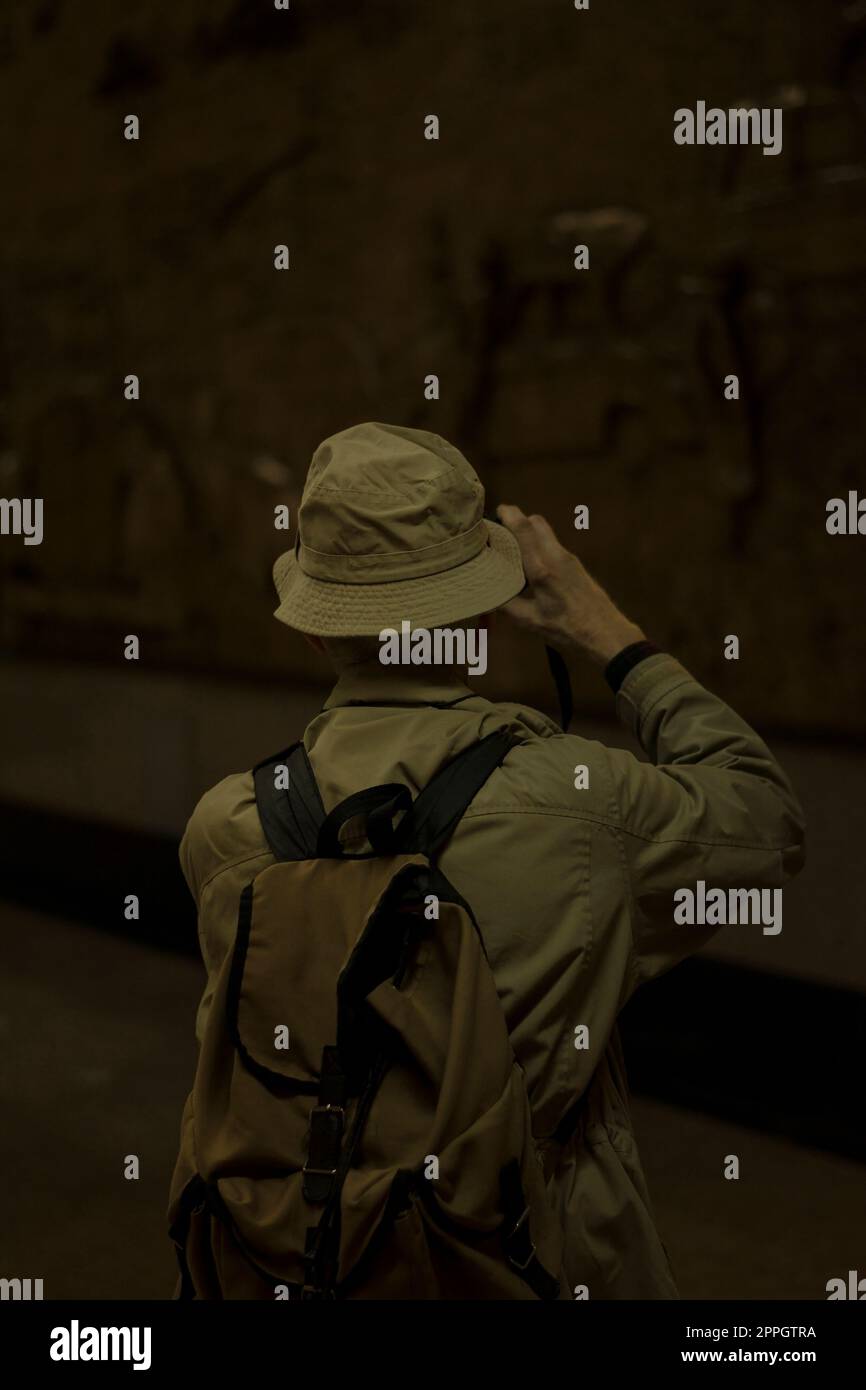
(315, 642)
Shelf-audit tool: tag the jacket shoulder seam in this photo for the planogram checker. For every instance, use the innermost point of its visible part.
(234, 864)
(568, 813)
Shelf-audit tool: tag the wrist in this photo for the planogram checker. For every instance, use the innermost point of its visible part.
(625, 661)
(612, 639)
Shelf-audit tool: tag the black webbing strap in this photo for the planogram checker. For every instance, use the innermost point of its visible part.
(322, 1242)
(517, 1235)
(380, 821)
(438, 808)
(562, 681)
(290, 816)
(325, 1134)
(320, 1262)
(377, 805)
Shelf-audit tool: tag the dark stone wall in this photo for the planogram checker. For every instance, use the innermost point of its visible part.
(410, 257)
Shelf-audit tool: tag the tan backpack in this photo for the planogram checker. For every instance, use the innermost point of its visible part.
(359, 1125)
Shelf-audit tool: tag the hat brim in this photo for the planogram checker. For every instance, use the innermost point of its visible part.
(329, 609)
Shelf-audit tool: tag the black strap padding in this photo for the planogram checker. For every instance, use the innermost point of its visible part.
(290, 816)
(437, 809)
(363, 803)
(296, 826)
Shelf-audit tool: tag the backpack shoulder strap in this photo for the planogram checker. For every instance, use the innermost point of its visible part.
(438, 808)
(291, 816)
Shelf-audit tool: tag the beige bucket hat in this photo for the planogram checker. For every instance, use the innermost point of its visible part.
(391, 527)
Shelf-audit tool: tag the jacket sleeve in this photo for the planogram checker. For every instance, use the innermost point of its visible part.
(711, 804)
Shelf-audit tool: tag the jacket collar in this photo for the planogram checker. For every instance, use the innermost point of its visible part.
(371, 683)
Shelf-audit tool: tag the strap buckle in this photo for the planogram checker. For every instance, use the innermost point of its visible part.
(329, 1134)
(323, 1154)
(518, 1231)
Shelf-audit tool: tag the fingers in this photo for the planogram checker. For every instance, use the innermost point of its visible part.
(523, 528)
(544, 531)
(540, 549)
(513, 518)
(526, 527)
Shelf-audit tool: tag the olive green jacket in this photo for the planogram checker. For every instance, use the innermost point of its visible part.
(572, 889)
